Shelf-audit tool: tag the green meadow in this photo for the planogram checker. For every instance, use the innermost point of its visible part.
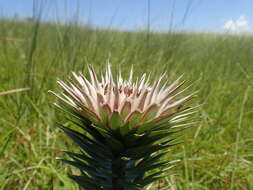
(217, 153)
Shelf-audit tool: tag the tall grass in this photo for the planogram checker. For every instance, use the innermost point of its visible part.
(218, 152)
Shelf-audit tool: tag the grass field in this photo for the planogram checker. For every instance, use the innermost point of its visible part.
(218, 152)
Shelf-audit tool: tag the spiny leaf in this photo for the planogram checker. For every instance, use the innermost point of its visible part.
(86, 147)
(105, 164)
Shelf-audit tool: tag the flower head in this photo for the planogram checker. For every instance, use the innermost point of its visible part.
(115, 103)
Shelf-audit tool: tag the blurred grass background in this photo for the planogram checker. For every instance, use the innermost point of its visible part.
(218, 152)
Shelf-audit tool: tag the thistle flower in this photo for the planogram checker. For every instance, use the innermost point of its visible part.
(132, 104)
(126, 121)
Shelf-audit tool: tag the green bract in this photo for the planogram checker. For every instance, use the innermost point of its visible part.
(124, 128)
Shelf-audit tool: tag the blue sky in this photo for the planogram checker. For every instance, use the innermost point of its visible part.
(201, 15)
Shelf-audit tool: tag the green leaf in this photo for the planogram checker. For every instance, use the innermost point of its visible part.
(150, 179)
(104, 164)
(150, 138)
(146, 168)
(131, 186)
(86, 183)
(116, 121)
(149, 151)
(84, 167)
(134, 120)
(90, 149)
(95, 132)
(124, 129)
(65, 108)
(114, 143)
(151, 160)
(152, 125)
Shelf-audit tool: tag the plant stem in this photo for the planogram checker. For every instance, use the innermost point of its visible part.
(118, 172)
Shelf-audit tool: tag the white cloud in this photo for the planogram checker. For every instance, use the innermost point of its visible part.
(239, 25)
